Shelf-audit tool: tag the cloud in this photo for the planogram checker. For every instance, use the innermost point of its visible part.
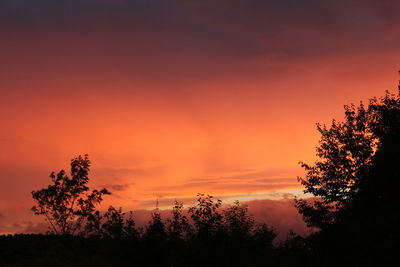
(247, 174)
(227, 186)
(117, 187)
(243, 181)
(192, 40)
(119, 173)
(281, 214)
(36, 228)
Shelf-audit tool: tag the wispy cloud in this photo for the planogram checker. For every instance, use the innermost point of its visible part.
(244, 181)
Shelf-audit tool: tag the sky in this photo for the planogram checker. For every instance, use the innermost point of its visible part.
(179, 97)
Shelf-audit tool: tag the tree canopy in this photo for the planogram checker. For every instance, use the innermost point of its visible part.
(346, 153)
(355, 182)
(68, 201)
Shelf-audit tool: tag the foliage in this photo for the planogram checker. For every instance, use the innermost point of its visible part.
(264, 235)
(155, 230)
(113, 227)
(93, 226)
(237, 220)
(130, 231)
(67, 202)
(178, 227)
(346, 153)
(226, 237)
(205, 215)
(113, 224)
(356, 180)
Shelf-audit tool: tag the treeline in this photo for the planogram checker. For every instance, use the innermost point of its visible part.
(206, 220)
(69, 207)
(207, 236)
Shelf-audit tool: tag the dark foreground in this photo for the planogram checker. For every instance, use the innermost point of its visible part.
(51, 250)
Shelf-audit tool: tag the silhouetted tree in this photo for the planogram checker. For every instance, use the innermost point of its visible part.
(93, 226)
(238, 222)
(345, 154)
(130, 230)
(178, 227)
(356, 180)
(67, 201)
(264, 235)
(155, 229)
(113, 226)
(205, 215)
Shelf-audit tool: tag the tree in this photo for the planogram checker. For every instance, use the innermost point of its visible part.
(93, 226)
(264, 235)
(350, 153)
(205, 215)
(67, 202)
(112, 224)
(237, 221)
(344, 152)
(130, 230)
(178, 227)
(155, 230)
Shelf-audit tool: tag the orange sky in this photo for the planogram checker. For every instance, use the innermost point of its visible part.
(176, 98)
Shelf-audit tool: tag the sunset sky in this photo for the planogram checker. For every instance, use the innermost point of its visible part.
(174, 97)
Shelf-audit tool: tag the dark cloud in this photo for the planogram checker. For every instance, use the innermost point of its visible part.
(281, 214)
(225, 29)
(106, 173)
(177, 43)
(36, 228)
(117, 187)
(272, 16)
